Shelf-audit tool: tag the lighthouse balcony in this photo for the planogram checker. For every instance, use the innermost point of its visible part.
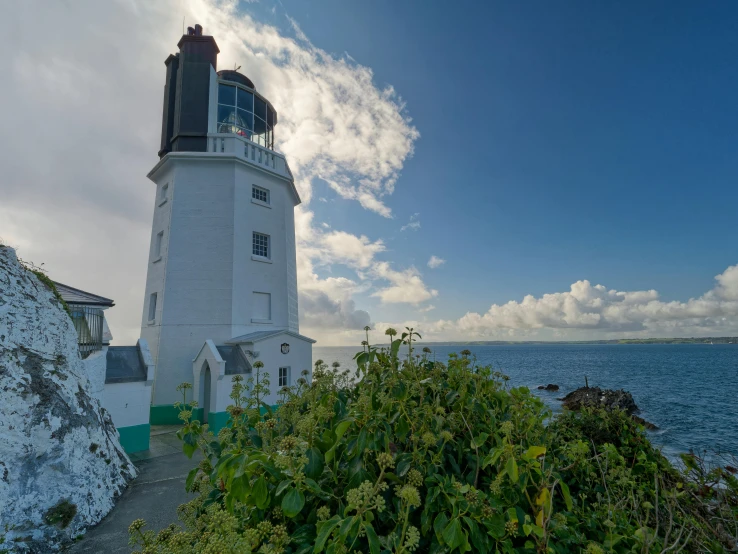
(250, 151)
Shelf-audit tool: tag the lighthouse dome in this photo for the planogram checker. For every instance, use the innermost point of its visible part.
(235, 77)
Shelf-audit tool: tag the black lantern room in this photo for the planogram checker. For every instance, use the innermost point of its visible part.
(190, 92)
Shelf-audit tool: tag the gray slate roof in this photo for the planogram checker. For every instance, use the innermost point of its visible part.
(261, 335)
(124, 365)
(70, 295)
(236, 362)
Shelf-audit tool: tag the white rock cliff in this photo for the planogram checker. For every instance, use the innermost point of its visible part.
(61, 463)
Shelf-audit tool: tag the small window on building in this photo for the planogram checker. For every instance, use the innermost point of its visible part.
(261, 245)
(262, 306)
(163, 194)
(157, 247)
(284, 376)
(152, 306)
(260, 194)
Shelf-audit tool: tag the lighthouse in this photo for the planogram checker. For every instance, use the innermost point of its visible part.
(221, 285)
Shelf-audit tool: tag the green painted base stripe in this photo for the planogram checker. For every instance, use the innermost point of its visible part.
(218, 420)
(135, 438)
(167, 414)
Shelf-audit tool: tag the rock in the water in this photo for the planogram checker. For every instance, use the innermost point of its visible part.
(61, 463)
(549, 387)
(603, 398)
(647, 424)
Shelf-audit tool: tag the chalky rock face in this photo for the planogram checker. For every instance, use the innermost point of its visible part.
(61, 463)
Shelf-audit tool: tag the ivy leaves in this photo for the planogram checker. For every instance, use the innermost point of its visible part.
(293, 502)
(416, 456)
(260, 493)
(314, 466)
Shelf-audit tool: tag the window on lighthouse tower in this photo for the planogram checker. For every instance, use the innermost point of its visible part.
(260, 194)
(261, 245)
(152, 307)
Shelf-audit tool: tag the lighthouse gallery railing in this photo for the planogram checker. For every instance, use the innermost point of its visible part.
(227, 143)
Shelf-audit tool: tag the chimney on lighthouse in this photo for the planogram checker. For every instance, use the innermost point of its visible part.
(187, 93)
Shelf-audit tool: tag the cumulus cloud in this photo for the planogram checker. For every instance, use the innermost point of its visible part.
(435, 262)
(413, 224)
(327, 303)
(345, 248)
(326, 248)
(86, 117)
(727, 287)
(367, 200)
(587, 308)
(406, 286)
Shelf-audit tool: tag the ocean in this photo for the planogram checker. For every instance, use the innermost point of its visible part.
(690, 391)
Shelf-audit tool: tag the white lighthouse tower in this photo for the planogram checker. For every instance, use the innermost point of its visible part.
(221, 288)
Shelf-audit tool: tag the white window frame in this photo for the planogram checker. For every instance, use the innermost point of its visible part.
(257, 189)
(164, 194)
(260, 257)
(287, 377)
(152, 307)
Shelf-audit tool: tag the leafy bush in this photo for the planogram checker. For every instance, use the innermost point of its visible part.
(62, 513)
(420, 456)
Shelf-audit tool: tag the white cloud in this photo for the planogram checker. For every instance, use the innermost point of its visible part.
(587, 311)
(406, 286)
(727, 287)
(326, 248)
(413, 224)
(335, 123)
(435, 262)
(367, 200)
(327, 303)
(348, 249)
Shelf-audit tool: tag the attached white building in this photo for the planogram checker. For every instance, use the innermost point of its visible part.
(121, 377)
(222, 269)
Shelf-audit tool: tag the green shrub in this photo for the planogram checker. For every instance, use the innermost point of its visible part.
(62, 513)
(419, 456)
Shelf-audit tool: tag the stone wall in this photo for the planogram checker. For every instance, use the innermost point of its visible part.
(61, 463)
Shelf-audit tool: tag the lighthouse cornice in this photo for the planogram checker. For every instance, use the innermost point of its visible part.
(232, 157)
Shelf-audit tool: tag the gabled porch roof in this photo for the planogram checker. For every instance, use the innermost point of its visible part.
(70, 295)
(251, 338)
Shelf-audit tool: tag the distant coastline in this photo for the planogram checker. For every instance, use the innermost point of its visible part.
(691, 340)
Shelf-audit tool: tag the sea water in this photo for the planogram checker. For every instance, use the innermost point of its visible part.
(690, 391)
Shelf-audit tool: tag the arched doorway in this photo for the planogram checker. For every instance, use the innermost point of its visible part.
(204, 400)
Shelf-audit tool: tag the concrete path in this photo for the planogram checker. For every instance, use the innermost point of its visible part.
(154, 495)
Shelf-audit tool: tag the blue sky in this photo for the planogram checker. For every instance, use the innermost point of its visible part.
(559, 141)
(545, 147)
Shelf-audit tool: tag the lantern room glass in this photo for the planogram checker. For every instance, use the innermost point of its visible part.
(241, 112)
